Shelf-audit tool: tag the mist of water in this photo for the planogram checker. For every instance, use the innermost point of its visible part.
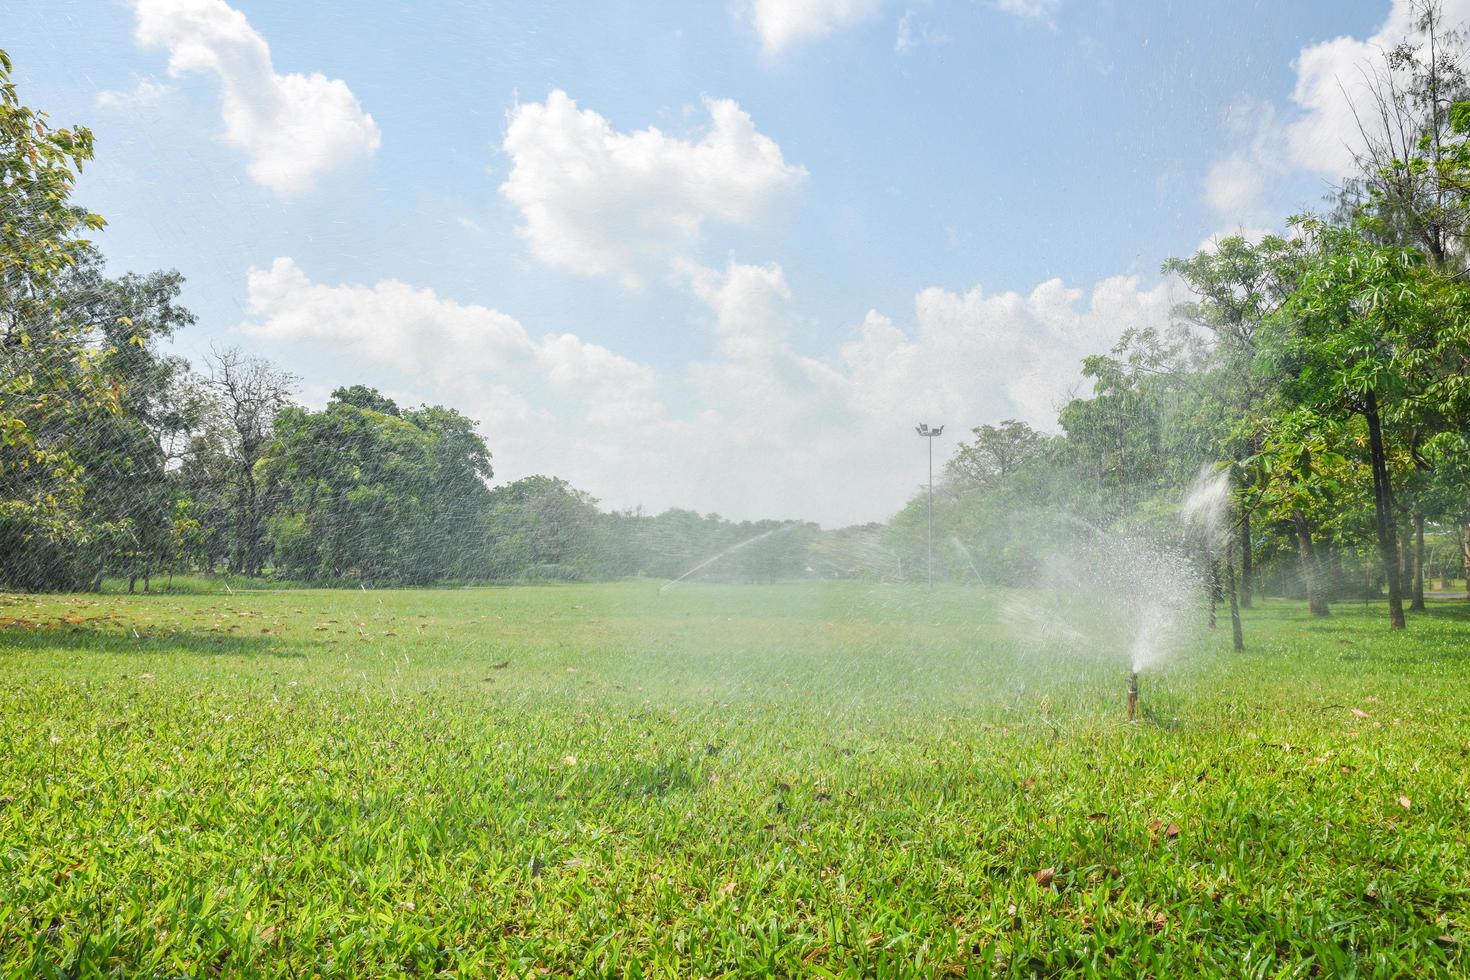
(969, 558)
(1127, 594)
(726, 553)
(1206, 503)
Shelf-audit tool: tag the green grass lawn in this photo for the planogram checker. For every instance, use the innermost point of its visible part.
(722, 781)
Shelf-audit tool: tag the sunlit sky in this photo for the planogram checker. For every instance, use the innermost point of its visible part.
(720, 255)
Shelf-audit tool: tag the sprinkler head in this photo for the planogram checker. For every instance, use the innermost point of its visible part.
(1132, 694)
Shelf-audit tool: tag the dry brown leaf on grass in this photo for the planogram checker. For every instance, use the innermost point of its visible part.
(1406, 803)
(1045, 877)
(1360, 713)
(1158, 828)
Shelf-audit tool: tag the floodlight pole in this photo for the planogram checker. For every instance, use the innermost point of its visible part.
(929, 434)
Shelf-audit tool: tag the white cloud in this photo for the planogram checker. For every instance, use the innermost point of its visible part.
(147, 92)
(976, 357)
(905, 42)
(782, 23)
(766, 431)
(748, 303)
(451, 345)
(1234, 184)
(390, 322)
(1043, 10)
(766, 397)
(1237, 184)
(604, 203)
(293, 127)
(615, 390)
(914, 34)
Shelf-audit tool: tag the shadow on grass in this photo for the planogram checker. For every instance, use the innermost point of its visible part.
(1350, 615)
(19, 636)
(1454, 610)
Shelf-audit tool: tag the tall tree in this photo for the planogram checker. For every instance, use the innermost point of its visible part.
(459, 495)
(997, 452)
(541, 527)
(370, 492)
(248, 394)
(129, 452)
(45, 376)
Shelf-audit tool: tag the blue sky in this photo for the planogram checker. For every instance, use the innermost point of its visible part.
(854, 214)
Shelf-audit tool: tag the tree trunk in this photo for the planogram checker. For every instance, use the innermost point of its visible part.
(1383, 512)
(1214, 564)
(252, 544)
(1465, 556)
(1405, 536)
(1416, 600)
(1237, 639)
(237, 547)
(1247, 562)
(1311, 572)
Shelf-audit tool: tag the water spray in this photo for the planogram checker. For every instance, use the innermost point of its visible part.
(1132, 694)
(970, 559)
(728, 551)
